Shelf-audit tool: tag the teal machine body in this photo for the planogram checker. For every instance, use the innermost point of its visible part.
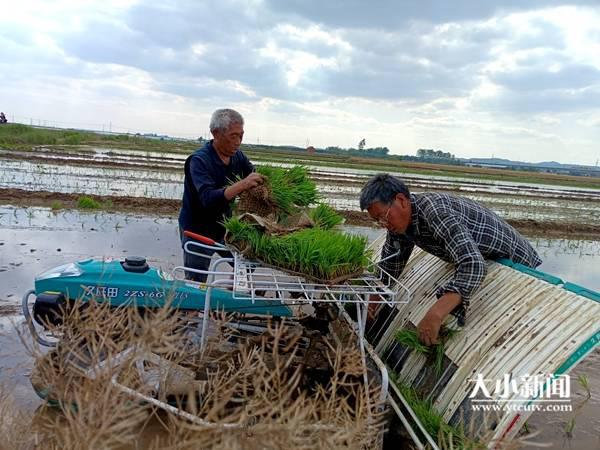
(133, 283)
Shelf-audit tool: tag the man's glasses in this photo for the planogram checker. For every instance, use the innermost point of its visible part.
(384, 220)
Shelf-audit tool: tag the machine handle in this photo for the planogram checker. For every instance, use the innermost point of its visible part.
(199, 237)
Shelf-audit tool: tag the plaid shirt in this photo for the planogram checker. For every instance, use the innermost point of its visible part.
(459, 231)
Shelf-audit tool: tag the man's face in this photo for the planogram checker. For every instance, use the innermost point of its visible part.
(227, 142)
(396, 217)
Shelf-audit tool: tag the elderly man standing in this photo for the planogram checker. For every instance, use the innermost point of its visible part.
(455, 229)
(210, 184)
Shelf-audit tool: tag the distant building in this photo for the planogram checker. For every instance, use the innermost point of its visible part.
(311, 150)
(486, 165)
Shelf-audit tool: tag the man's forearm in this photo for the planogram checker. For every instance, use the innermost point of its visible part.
(234, 190)
(429, 327)
(251, 181)
(446, 304)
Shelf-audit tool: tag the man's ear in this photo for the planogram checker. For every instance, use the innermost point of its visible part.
(402, 200)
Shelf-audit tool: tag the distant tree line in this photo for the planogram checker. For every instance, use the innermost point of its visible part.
(433, 156)
(430, 153)
(423, 155)
(374, 152)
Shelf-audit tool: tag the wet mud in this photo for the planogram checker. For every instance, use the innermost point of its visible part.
(170, 207)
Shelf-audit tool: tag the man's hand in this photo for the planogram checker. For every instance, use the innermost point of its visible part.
(250, 182)
(429, 327)
(373, 307)
(253, 180)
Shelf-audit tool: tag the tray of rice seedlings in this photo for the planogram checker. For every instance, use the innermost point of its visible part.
(326, 256)
(284, 192)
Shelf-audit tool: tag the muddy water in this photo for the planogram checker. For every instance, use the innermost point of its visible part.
(35, 239)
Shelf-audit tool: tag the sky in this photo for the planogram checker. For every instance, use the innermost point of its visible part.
(516, 79)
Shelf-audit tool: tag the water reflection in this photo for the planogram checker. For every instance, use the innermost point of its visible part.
(577, 261)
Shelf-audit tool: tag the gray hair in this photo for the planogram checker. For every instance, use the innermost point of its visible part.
(222, 119)
(382, 188)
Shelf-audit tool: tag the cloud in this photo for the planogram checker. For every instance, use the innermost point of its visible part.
(393, 14)
(266, 55)
(405, 71)
(548, 101)
(572, 77)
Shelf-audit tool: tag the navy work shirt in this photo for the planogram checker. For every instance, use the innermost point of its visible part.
(206, 176)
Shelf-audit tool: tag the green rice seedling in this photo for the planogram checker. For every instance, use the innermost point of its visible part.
(314, 252)
(409, 338)
(435, 353)
(326, 254)
(448, 436)
(585, 384)
(325, 217)
(305, 192)
(431, 419)
(569, 427)
(446, 335)
(290, 188)
(86, 202)
(239, 230)
(56, 205)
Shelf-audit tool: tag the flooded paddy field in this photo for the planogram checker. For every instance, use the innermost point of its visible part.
(120, 173)
(34, 239)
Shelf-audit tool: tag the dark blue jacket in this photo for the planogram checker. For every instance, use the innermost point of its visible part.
(204, 205)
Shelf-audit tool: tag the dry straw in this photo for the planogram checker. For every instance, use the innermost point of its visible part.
(256, 391)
